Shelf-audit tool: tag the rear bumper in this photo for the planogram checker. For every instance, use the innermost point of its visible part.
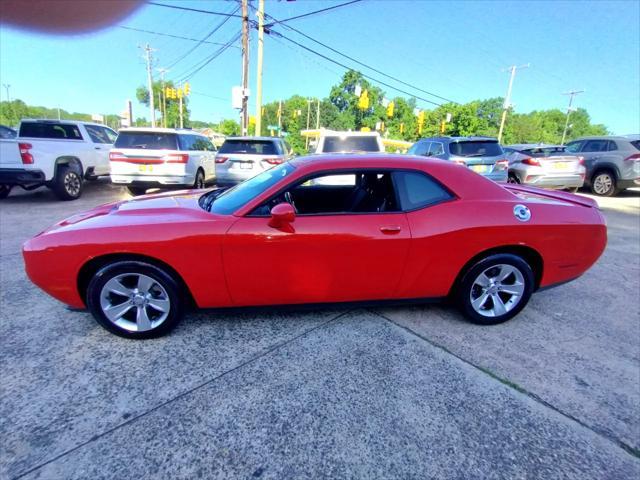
(496, 176)
(20, 176)
(186, 180)
(233, 178)
(554, 181)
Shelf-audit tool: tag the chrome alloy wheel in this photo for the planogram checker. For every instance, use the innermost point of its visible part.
(135, 302)
(602, 183)
(72, 183)
(497, 290)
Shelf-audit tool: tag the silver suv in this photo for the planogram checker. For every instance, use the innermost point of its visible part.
(240, 158)
(612, 163)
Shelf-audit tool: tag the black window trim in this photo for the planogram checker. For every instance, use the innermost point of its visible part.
(339, 171)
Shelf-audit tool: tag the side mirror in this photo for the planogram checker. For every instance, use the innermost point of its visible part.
(282, 215)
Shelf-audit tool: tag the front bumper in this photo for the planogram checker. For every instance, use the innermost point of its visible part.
(21, 177)
(186, 180)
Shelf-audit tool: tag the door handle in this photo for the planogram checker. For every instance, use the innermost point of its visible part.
(390, 229)
(98, 148)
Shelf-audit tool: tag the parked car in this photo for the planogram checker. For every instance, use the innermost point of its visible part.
(408, 228)
(612, 163)
(240, 158)
(144, 158)
(483, 155)
(58, 154)
(7, 132)
(348, 142)
(544, 166)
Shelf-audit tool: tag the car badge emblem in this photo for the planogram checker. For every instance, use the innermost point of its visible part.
(522, 213)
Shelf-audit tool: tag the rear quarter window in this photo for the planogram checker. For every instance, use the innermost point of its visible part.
(50, 130)
(417, 190)
(636, 144)
(147, 140)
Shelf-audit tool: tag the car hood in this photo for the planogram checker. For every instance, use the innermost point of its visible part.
(157, 208)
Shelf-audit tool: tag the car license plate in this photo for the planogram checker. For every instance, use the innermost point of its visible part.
(560, 165)
(479, 168)
(246, 165)
(145, 168)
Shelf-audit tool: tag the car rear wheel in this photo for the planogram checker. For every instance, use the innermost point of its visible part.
(135, 299)
(495, 289)
(572, 189)
(135, 191)
(5, 190)
(513, 178)
(603, 183)
(199, 182)
(67, 184)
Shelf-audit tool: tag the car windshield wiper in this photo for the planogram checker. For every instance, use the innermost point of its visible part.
(210, 197)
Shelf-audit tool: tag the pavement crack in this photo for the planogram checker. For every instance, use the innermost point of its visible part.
(131, 420)
(518, 388)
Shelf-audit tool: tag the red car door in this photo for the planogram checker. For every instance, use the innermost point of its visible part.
(323, 258)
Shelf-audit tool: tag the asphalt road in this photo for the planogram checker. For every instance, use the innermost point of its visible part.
(403, 392)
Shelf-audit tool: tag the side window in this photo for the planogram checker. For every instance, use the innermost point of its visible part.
(199, 143)
(596, 146)
(99, 134)
(612, 146)
(417, 190)
(436, 149)
(573, 147)
(287, 148)
(210, 146)
(186, 142)
(420, 148)
(110, 134)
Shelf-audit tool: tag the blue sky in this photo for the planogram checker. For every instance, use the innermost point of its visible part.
(454, 49)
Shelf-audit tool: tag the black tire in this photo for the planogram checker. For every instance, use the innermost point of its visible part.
(513, 178)
(128, 272)
(468, 288)
(603, 184)
(5, 190)
(68, 182)
(572, 189)
(199, 181)
(135, 191)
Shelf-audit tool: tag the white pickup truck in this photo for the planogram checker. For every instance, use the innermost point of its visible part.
(58, 154)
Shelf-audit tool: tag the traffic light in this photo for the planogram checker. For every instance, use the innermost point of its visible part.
(420, 121)
(390, 108)
(187, 89)
(402, 128)
(363, 101)
(179, 92)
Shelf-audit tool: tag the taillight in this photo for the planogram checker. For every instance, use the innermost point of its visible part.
(273, 160)
(532, 161)
(117, 157)
(634, 157)
(502, 164)
(581, 160)
(176, 157)
(25, 154)
(221, 159)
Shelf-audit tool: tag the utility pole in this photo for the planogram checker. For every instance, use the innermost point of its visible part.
(244, 119)
(152, 108)
(571, 94)
(162, 72)
(7, 87)
(318, 116)
(507, 99)
(259, 75)
(180, 95)
(306, 143)
(280, 118)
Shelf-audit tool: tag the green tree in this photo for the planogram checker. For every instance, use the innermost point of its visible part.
(173, 105)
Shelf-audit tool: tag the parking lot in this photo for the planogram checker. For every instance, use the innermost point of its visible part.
(395, 392)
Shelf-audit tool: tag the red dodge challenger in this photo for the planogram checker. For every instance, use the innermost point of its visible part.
(319, 230)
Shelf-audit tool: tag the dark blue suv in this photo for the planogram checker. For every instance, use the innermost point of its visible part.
(483, 155)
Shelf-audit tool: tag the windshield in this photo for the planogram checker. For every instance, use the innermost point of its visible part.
(254, 147)
(350, 144)
(147, 140)
(231, 200)
(475, 149)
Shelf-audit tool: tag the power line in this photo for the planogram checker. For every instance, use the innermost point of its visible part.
(215, 29)
(168, 35)
(359, 62)
(309, 13)
(349, 68)
(195, 10)
(203, 63)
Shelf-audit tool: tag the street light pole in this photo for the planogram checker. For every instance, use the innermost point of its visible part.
(571, 94)
(244, 119)
(7, 87)
(259, 74)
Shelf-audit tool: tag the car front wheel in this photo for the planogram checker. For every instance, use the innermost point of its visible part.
(135, 299)
(5, 190)
(495, 289)
(604, 184)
